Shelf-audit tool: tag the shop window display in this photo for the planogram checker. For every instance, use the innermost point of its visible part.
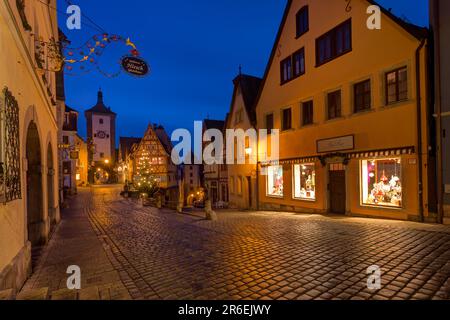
(275, 181)
(305, 182)
(382, 183)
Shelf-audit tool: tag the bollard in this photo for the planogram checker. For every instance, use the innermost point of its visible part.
(210, 213)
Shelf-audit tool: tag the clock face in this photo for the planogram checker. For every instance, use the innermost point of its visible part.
(101, 134)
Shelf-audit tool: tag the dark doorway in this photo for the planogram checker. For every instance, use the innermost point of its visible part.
(337, 190)
(250, 196)
(35, 212)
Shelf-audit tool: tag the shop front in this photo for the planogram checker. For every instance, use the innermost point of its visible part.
(378, 183)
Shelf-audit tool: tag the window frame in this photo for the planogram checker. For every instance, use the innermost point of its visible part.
(357, 110)
(267, 183)
(298, 16)
(397, 86)
(333, 43)
(294, 183)
(361, 177)
(300, 52)
(283, 127)
(302, 107)
(290, 71)
(328, 104)
(272, 115)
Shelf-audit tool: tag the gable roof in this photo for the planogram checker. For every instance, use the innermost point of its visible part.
(249, 86)
(163, 138)
(126, 144)
(69, 109)
(100, 106)
(416, 31)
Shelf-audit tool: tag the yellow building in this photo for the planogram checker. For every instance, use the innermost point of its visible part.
(82, 164)
(352, 107)
(440, 24)
(242, 116)
(28, 139)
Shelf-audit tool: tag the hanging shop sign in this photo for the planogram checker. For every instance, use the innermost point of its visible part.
(135, 66)
(336, 144)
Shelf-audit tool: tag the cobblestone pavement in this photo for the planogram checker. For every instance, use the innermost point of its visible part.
(244, 255)
(74, 243)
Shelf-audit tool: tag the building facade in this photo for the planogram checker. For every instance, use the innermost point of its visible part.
(101, 131)
(191, 180)
(152, 165)
(28, 136)
(242, 116)
(352, 108)
(69, 151)
(440, 24)
(215, 176)
(81, 162)
(126, 145)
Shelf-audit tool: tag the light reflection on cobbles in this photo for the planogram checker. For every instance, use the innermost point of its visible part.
(271, 256)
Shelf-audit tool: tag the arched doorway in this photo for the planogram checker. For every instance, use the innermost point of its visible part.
(50, 187)
(35, 212)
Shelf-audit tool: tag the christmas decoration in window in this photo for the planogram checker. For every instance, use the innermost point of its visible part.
(381, 182)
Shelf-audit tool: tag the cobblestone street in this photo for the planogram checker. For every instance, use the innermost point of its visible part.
(245, 255)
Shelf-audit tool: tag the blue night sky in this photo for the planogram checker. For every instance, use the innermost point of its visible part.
(194, 49)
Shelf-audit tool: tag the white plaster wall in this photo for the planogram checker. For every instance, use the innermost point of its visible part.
(102, 145)
(19, 75)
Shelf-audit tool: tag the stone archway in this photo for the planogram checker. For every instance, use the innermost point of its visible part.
(51, 187)
(35, 209)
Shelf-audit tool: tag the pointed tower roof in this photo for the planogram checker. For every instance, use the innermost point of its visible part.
(100, 106)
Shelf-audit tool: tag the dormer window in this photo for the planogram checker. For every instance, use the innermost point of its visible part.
(302, 21)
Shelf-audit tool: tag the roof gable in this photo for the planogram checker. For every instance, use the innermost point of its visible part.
(414, 30)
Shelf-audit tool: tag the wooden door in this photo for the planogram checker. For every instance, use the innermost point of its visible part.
(337, 192)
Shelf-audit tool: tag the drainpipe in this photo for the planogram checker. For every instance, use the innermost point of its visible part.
(419, 128)
(438, 108)
(257, 169)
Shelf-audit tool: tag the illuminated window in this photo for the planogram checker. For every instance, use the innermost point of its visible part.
(381, 183)
(239, 185)
(275, 181)
(305, 182)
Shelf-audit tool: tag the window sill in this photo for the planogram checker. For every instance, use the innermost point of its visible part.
(332, 59)
(382, 207)
(306, 126)
(305, 200)
(397, 104)
(362, 113)
(298, 36)
(275, 197)
(282, 83)
(287, 130)
(335, 120)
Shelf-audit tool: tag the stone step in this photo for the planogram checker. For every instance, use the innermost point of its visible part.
(35, 294)
(7, 294)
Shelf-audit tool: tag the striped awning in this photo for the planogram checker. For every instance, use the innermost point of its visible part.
(348, 155)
